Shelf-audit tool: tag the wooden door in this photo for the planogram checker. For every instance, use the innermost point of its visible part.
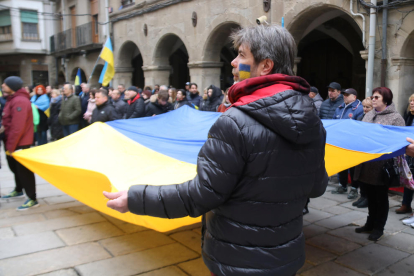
(73, 25)
(95, 28)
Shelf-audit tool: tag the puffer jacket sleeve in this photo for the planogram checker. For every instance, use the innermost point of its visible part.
(219, 167)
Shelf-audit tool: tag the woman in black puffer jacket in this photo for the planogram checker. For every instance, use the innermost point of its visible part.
(214, 99)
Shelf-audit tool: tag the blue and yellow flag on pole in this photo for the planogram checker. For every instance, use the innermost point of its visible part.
(108, 71)
(78, 78)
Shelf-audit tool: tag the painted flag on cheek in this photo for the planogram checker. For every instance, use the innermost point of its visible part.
(244, 71)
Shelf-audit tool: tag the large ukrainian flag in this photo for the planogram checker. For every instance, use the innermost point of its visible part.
(163, 150)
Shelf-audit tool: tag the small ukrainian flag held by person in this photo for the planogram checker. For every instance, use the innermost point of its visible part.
(78, 78)
(108, 70)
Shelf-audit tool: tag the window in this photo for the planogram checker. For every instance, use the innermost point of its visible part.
(5, 25)
(29, 25)
(126, 3)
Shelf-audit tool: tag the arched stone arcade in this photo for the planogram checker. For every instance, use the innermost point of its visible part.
(128, 65)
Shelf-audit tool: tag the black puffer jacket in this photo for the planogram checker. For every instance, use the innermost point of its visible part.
(104, 113)
(135, 108)
(260, 163)
(53, 121)
(154, 108)
(328, 107)
(213, 102)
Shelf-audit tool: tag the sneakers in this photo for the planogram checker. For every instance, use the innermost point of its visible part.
(404, 209)
(353, 193)
(340, 190)
(363, 229)
(376, 235)
(28, 204)
(409, 221)
(363, 203)
(13, 194)
(358, 201)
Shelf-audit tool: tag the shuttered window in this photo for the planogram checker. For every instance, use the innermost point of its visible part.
(29, 25)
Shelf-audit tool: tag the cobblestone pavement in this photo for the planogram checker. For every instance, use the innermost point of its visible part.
(65, 237)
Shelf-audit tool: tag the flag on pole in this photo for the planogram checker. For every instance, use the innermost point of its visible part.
(78, 78)
(108, 71)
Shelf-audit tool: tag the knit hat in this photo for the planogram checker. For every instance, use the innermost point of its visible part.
(314, 90)
(133, 88)
(14, 83)
(147, 93)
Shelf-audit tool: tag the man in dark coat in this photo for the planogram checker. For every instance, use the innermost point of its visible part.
(214, 99)
(329, 106)
(136, 106)
(84, 97)
(118, 103)
(104, 111)
(18, 130)
(160, 105)
(194, 97)
(262, 160)
(181, 99)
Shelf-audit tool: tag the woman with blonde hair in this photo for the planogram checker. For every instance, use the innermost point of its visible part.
(367, 105)
(172, 92)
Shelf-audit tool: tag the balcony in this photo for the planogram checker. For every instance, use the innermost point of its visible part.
(84, 37)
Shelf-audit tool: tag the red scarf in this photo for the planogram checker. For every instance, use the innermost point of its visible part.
(136, 98)
(253, 89)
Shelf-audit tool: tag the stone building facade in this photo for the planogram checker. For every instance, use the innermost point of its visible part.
(174, 41)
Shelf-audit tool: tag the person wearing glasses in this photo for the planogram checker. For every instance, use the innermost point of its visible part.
(369, 173)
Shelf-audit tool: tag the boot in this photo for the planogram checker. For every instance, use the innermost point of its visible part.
(363, 203)
(404, 209)
(367, 228)
(376, 235)
(356, 203)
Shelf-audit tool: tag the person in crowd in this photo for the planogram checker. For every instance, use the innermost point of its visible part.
(317, 99)
(70, 111)
(351, 108)
(172, 95)
(42, 103)
(329, 106)
(121, 89)
(56, 129)
(28, 89)
(154, 96)
(187, 89)
(249, 187)
(18, 131)
(204, 99)
(104, 111)
(226, 102)
(181, 99)
(87, 116)
(136, 106)
(84, 100)
(369, 173)
(213, 99)
(118, 103)
(160, 105)
(367, 106)
(146, 95)
(49, 91)
(194, 98)
(156, 89)
(408, 194)
(149, 88)
(33, 90)
(110, 90)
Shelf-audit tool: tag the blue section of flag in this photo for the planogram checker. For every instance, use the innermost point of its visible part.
(244, 67)
(101, 78)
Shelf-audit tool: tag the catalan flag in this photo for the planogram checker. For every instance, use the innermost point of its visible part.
(108, 71)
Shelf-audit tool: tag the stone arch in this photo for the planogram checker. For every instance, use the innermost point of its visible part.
(128, 65)
(94, 81)
(61, 79)
(74, 72)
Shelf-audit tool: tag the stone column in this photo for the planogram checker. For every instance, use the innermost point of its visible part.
(400, 80)
(295, 67)
(157, 75)
(205, 73)
(123, 75)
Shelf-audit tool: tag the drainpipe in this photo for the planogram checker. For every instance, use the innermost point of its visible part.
(107, 19)
(371, 49)
(64, 29)
(363, 21)
(384, 43)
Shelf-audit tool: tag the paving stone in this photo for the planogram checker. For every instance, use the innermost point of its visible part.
(322, 203)
(139, 262)
(313, 230)
(316, 256)
(135, 242)
(29, 244)
(189, 239)
(59, 223)
(197, 230)
(82, 209)
(125, 226)
(59, 199)
(6, 233)
(316, 215)
(400, 241)
(341, 220)
(88, 233)
(59, 214)
(394, 223)
(330, 268)
(48, 191)
(332, 244)
(63, 272)
(408, 230)
(404, 267)
(337, 210)
(12, 204)
(21, 220)
(342, 198)
(41, 209)
(349, 206)
(51, 260)
(348, 233)
(195, 267)
(371, 258)
(170, 271)
(305, 223)
(305, 267)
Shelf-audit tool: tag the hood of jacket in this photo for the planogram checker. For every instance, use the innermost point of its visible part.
(317, 98)
(19, 93)
(216, 93)
(280, 103)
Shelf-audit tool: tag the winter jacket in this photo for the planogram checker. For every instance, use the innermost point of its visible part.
(408, 118)
(317, 100)
(371, 172)
(350, 111)
(70, 110)
(88, 114)
(56, 129)
(184, 102)
(328, 107)
(262, 160)
(120, 106)
(104, 113)
(194, 99)
(18, 120)
(214, 101)
(135, 108)
(157, 109)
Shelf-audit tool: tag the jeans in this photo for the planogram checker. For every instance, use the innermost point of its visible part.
(69, 129)
(41, 138)
(23, 177)
(407, 197)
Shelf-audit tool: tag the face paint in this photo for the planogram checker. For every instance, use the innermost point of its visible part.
(244, 71)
